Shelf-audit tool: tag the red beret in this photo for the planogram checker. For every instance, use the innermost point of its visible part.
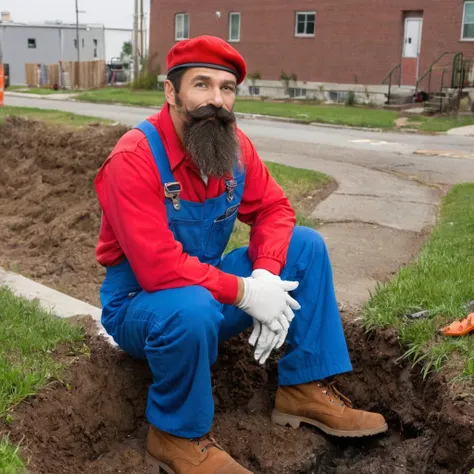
(207, 51)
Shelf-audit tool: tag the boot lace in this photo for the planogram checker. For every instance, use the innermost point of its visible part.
(330, 390)
(206, 442)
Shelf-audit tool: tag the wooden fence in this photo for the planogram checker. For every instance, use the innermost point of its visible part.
(67, 74)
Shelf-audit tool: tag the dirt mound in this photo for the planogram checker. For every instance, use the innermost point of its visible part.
(49, 215)
(93, 421)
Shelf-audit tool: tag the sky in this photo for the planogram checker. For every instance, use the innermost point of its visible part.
(111, 13)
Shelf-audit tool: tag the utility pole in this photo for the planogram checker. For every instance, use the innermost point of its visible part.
(77, 33)
(135, 41)
(142, 50)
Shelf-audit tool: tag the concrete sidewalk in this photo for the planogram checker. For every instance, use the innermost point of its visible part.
(60, 97)
(467, 131)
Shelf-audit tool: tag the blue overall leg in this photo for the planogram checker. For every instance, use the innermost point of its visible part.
(177, 331)
(316, 343)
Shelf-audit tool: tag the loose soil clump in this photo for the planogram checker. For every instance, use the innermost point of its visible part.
(93, 421)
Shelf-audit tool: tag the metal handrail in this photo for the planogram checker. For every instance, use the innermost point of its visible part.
(466, 67)
(430, 71)
(441, 91)
(458, 68)
(389, 76)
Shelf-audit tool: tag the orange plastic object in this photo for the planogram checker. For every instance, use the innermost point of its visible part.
(460, 328)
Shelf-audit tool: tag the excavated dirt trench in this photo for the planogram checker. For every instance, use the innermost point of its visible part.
(93, 421)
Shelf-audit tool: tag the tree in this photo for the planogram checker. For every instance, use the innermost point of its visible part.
(126, 49)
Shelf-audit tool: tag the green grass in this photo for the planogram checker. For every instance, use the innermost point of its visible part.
(54, 117)
(298, 184)
(123, 95)
(331, 114)
(29, 337)
(37, 90)
(441, 280)
(356, 116)
(10, 462)
(443, 124)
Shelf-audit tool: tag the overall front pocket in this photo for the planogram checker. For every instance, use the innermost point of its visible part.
(220, 233)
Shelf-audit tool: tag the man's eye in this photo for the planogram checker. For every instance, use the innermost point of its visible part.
(200, 84)
(229, 88)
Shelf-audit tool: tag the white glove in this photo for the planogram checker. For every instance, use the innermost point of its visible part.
(266, 300)
(262, 274)
(266, 340)
(262, 332)
(288, 312)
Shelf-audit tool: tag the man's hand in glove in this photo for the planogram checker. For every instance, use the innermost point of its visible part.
(267, 300)
(263, 335)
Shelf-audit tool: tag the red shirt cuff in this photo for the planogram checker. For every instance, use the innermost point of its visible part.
(229, 287)
(265, 263)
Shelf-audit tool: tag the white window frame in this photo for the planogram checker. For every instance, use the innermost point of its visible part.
(468, 2)
(302, 92)
(234, 40)
(305, 35)
(177, 17)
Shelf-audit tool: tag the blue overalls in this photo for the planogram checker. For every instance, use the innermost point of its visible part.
(178, 330)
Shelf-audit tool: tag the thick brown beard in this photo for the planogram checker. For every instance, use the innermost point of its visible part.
(210, 139)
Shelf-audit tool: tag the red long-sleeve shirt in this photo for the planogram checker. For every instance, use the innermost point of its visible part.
(134, 222)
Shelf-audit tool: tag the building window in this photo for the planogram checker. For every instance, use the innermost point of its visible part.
(32, 43)
(83, 44)
(468, 21)
(305, 23)
(95, 47)
(75, 43)
(181, 26)
(254, 90)
(297, 92)
(234, 27)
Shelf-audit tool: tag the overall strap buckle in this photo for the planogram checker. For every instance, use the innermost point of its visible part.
(172, 191)
(230, 185)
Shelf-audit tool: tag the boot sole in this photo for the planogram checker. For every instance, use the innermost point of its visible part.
(157, 466)
(295, 421)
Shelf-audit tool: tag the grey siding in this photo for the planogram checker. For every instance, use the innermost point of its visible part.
(53, 44)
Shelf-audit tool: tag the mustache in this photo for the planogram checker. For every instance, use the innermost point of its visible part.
(211, 111)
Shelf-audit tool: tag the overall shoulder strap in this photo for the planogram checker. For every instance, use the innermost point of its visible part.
(158, 151)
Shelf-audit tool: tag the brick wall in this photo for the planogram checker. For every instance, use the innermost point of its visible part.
(355, 40)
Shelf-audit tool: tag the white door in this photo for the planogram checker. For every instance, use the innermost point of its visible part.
(412, 42)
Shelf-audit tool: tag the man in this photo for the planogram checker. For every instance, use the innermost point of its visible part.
(170, 192)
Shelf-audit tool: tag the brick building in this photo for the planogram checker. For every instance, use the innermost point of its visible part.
(331, 43)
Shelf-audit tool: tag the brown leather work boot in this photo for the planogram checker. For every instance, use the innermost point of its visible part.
(321, 405)
(172, 455)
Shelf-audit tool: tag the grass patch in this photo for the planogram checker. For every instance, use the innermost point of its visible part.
(298, 184)
(29, 338)
(123, 95)
(367, 117)
(441, 281)
(38, 90)
(331, 114)
(53, 117)
(443, 124)
(10, 462)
